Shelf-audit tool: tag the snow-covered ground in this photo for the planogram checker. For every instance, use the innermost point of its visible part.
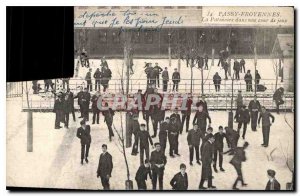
(55, 160)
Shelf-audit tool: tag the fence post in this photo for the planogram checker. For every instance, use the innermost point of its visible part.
(209, 87)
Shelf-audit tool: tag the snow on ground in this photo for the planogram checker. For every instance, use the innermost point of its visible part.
(55, 160)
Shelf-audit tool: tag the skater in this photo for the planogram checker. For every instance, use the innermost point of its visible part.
(254, 108)
(88, 79)
(243, 119)
(109, 119)
(95, 108)
(193, 140)
(71, 100)
(248, 80)
(59, 111)
(85, 101)
(142, 174)
(163, 134)
(79, 97)
(106, 76)
(67, 107)
(176, 79)
(206, 61)
(277, 97)
(135, 132)
(236, 68)
(217, 81)
(178, 119)
(157, 70)
(242, 64)
(173, 137)
(180, 180)
(218, 148)
(165, 78)
(148, 72)
(226, 67)
(84, 134)
(266, 124)
(272, 184)
(186, 112)
(203, 103)
(158, 161)
(239, 103)
(236, 161)
(144, 139)
(97, 76)
(207, 157)
(201, 119)
(232, 138)
(105, 167)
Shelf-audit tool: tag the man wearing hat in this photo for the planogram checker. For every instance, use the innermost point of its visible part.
(144, 139)
(176, 79)
(193, 139)
(158, 161)
(173, 134)
(218, 148)
(272, 184)
(88, 78)
(180, 180)
(266, 124)
(59, 111)
(254, 108)
(83, 133)
(141, 175)
(243, 119)
(207, 158)
(105, 167)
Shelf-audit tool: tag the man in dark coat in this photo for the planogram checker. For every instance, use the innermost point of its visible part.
(266, 124)
(201, 119)
(254, 108)
(206, 61)
(177, 117)
(165, 78)
(141, 175)
(148, 72)
(163, 134)
(218, 148)
(217, 81)
(207, 158)
(95, 108)
(277, 97)
(105, 167)
(239, 103)
(158, 161)
(135, 131)
(236, 68)
(193, 140)
(257, 78)
(242, 64)
(243, 119)
(157, 70)
(248, 80)
(88, 78)
(79, 98)
(173, 137)
(84, 134)
(236, 161)
(176, 79)
(180, 180)
(97, 76)
(226, 67)
(203, 103)
(106, 76)
(67, 107)
(144, 139)
(109, 119)
(59, 111)
(71, 100)
(186, 112)
(85, 101)
(272, 184)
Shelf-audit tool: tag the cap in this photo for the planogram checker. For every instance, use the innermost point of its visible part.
(271, 173)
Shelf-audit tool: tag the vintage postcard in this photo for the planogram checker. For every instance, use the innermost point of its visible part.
(162, 98)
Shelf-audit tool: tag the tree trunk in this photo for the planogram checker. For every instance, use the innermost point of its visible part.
(202, 83)
(29, 124)
(255, 68)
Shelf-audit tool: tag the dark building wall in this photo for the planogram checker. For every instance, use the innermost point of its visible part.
(149, 44)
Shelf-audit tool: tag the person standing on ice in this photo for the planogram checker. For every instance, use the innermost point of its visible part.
(239, 104)
(109, 119)
(144, 139)
(176, 79)
(218, 148)
(142, 174)
(201, 119)
(254, 107)
(59, 111)
(248, 80)
(217, 81)
(88, 79)
(266, 124)
(238, 157)
(163, 134)
(180, 180)
(236, 68)
(277, 97)
(158, 161)
(242, 64)
(84, 134)
(105, 167)
(165, 78)
(157, 70)
(243, 119)
(272, 184)
(193, 140)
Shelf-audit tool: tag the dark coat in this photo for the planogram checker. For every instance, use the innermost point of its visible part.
(207, 158)
(276, 185)
(278, 94)
(165, 75)
(254, 106)
(88, 76)
(201, 118)
(239, 156)
(236, 66)
(243, 116)
(84, 135)
(144, 138)
(94, 101)
(189, 103)
(193, 137)
(177, 117)
(97, 75)
(176, 77)
(217, 79)
(157, 158)
(142, 173)
(180, 182)
(108, 116)
(163, 132)
(105, 165)
(248, 78)
(219, 140)
(59, 110)
(67, 106)
(79, 96)
(265, 117)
